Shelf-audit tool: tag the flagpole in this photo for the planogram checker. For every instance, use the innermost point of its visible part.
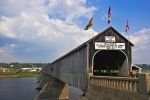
(92, 35)
(129, 67)
(127, 29)
(90, 23)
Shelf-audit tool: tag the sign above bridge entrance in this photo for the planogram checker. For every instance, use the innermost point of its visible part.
(109, 46)
(110, 39)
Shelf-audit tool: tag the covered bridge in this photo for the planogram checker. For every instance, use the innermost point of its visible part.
(106, 54)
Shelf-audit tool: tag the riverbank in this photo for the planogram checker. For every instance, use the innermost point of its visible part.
(21, 74)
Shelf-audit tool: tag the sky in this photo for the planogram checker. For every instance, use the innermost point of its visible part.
(43, 30)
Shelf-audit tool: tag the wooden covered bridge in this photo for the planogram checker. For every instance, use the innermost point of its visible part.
(103, 60)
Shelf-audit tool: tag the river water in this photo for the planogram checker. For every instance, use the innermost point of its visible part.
(17, 88)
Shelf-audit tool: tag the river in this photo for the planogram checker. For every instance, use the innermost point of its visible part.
(17, 88)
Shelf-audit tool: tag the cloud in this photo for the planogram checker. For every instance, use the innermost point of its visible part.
(7, 55)
(70, 9)
(43, 29)
(141, 40)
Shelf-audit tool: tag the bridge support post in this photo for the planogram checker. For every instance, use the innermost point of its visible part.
(144, 83)
(53, 89)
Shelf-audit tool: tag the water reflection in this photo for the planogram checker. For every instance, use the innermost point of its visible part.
(17, 88)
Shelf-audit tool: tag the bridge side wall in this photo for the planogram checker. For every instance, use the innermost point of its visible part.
(71, 69)
(119, 88)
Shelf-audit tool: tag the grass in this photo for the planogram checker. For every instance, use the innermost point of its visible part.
(20, 74)
(146, 71)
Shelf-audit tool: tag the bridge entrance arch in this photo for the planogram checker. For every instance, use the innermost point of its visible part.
(110, 63)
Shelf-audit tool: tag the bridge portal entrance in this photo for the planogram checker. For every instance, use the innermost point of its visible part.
(110, 63)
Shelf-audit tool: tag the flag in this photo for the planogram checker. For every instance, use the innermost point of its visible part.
(109, 15)
(127, 27)
(90, 23)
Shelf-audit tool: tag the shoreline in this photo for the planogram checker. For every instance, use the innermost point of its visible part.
(19, 75)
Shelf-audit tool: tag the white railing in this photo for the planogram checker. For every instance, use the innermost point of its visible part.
(123, 83)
